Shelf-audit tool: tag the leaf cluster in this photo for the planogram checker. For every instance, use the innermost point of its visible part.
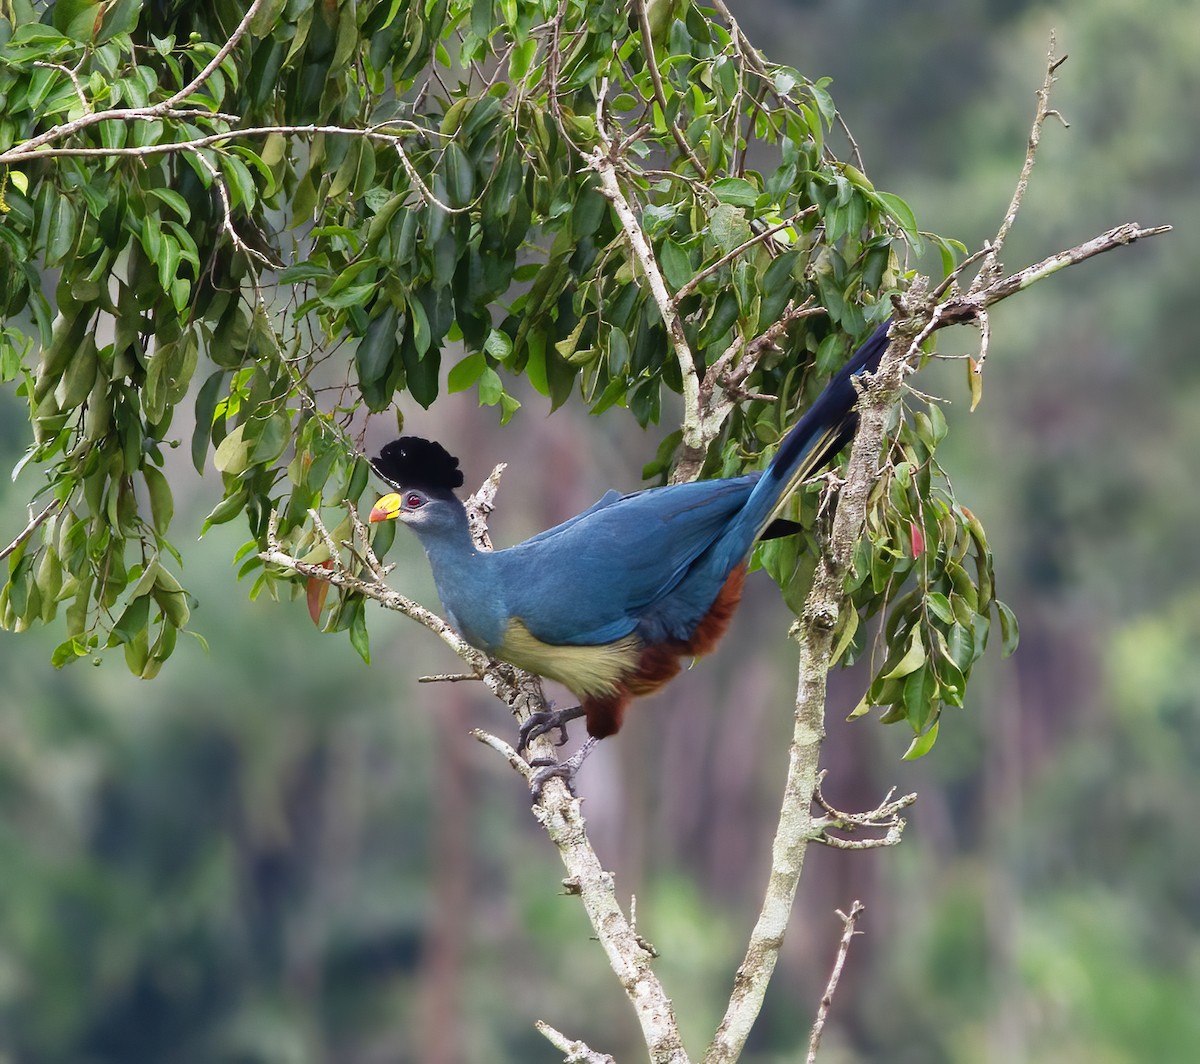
(300, 234)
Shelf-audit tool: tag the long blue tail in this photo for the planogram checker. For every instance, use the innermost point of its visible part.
(826, 427)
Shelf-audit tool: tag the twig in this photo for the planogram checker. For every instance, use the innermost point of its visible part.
(849, 921)
(885, 816)
(227, 213)
(215, 62)
(656, 80)
(576, 1052)
(960, 309)
(992, 263)
(62, 68)
(34, 524)
(146, 114)
(157, 110)
(689, 287)
(505, 750)
(722, 387)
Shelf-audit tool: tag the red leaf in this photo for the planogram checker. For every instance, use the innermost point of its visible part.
(316, 590)
(917, 538)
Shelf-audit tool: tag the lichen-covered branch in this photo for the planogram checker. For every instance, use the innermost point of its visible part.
(604, 162)
(814, 633)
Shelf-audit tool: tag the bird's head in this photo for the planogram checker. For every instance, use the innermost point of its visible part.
(424, 474)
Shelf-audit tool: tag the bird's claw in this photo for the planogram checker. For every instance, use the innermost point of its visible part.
(548, 769)
(546, 720)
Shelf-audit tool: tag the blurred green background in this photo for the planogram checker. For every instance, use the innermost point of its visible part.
(272, 853)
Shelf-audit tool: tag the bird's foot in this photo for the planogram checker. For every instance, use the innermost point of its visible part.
(548, 769)
(546, 720)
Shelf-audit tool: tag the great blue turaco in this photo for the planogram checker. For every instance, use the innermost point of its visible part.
(612, 601)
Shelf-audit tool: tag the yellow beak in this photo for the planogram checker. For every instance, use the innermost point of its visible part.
(386, 509)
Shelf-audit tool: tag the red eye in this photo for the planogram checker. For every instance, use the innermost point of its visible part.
(413, 501)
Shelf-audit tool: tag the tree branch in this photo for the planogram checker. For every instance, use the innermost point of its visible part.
(685, 149)
(576, 1052)
(849, 921)
(991, 264)
(915, 320)
(605, 164)
(157, 110)
(814, 633)
(34, 524)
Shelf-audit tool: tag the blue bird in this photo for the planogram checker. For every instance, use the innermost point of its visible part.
(611, 601)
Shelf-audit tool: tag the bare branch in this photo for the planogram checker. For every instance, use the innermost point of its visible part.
(884, 817)
(959, 309)
(687, 289)
(216, 61)
(849, 922)
(605, 165)
(505, 750)
(991, 264)
(157, 110)
(814, 633)
(576, 1052)
(34, 524)
(62, 68)
(18, 153)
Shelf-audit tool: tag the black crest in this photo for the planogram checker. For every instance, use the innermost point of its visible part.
(411, 462)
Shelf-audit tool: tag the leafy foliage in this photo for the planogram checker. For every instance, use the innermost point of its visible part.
(298, 219)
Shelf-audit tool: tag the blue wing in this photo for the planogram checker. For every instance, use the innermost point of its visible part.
(628, 554)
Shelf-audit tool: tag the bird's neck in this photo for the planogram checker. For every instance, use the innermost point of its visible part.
(448, 543)
(465, 578)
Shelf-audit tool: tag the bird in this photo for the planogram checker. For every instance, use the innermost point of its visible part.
(611, 602)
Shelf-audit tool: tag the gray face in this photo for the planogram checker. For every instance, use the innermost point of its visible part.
(415, 507)
(425, 513)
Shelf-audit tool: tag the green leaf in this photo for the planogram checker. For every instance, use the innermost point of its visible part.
(913, 659)
(206, 405)
(377, 348)
(1010, 633)
(466, 372)
(173, 200)
(132, 622)
(922, 744)
(65, 653)
(939, 606)
(162, 505)
(728, 227)
(901, 213)
(233, 452)
(358, 633)
(676, 264)
(521, 59)
(490, 387)
(498, 345)
(845, 637)
(735, 190)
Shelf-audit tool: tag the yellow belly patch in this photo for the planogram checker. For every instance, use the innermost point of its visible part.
(584, 670)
